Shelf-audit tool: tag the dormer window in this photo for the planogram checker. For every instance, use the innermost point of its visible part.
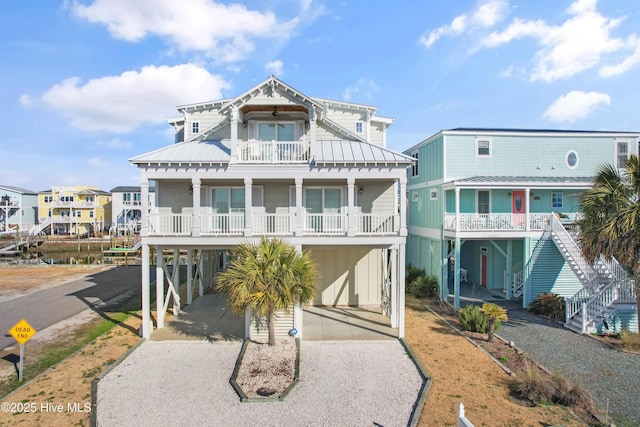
(195, 127)
(359, 127)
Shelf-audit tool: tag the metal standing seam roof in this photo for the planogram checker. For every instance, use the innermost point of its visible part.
(497, 180)
(17, 189)
(185, 152)
(344, 151)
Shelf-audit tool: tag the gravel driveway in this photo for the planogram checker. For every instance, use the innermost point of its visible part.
(186, 383)
(608, 374)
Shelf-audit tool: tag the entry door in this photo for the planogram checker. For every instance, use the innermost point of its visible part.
(483, 269)
(518, 207)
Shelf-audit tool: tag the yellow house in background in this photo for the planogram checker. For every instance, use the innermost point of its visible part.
(80, 210)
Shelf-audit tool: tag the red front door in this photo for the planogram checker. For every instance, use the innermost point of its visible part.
(518, 207)
(483, 270)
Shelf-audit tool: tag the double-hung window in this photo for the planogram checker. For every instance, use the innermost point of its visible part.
(195, 127)
(622, 153)
(556, 200)
(483, 201)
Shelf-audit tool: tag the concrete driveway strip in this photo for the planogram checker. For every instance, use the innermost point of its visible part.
(49, 306)
(346, 383)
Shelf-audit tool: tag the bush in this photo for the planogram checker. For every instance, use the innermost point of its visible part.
(473, 319)
(550, 305)
(630, 340)
(420, 284)
(533, 386)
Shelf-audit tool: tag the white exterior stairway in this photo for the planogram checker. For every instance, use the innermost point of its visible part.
(605, 284)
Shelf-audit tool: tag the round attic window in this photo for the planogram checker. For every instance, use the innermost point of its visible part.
(572, 159)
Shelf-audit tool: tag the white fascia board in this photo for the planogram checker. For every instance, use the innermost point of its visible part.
(386, 120)
(423, 142)
(509, 185)
(347, 105)
(200, 106)
(533, 132)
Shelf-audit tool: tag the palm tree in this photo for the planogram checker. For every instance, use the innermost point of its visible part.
(611, 216)
(266, 277)
(495, 313)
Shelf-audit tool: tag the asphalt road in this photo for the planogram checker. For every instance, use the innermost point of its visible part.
(49, 306)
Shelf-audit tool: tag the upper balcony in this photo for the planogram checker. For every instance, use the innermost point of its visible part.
(475, 222)
(274, 224)
(75, 204)
(273, 151)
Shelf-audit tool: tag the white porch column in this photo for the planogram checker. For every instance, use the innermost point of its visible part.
(526, 283)
(351, 210)
(457, 225)
(444, 286)
(299, 225)
(146, 297)
(201, 265)
(195, 188)
(248, 201)
(403, 207)
(401, 290)
(510, 264)
(527, 194)
(393, 292)
(189, 276)
(234, 134)
(176, 280)
(144, 207)
(456, 277)
(312, 124)
(159, 288)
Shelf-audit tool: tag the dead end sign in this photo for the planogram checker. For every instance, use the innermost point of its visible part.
(22, 331)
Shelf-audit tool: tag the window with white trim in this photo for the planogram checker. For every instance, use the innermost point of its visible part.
(414, 196)
(483, 202)
(414, 167)
(433, 194)
(483, 147)
(622, 153)
(195, 127)
(556, 200)
(48, 199)
(359, 127)
(90, 214)
(572, 159)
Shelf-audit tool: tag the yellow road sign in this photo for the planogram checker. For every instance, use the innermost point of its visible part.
(22, 331)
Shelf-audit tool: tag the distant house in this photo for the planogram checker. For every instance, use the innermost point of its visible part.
(126, 208)
(497, 208)
(18, 209)
(275, 162)
(75, 210)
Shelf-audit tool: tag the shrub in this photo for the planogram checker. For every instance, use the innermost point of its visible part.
(630, 340)
(532, 386)
(473, 319)
(550, 305)
(420, 284)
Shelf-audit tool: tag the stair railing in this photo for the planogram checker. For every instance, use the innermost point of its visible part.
(590, 275)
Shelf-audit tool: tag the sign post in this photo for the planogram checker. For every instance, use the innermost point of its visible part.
(22, 332)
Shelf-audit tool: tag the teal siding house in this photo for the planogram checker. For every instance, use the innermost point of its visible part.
(497, 208)
(18, 209)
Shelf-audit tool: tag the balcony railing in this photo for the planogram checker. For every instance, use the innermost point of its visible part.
(273, 151)
(222, 224)
(74, 204)
(497, 222)
(372, 224)
(275, 224)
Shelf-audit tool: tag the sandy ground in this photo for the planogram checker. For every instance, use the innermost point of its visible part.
(460, 372)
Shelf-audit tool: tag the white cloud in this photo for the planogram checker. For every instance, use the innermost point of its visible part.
(574, 46)
(226, 32)
(485, 16)
(626, 65)
(575, 105)
(121, 103)
(275, 67)
(26, 101)
(98, 162)
(117, 144)
(364, 87)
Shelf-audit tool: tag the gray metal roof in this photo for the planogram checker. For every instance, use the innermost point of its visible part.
(187, 152)
(17, 189)
(546, 181)
(129, 189)
(354, 152)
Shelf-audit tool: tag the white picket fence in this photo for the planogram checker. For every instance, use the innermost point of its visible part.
(462, 420)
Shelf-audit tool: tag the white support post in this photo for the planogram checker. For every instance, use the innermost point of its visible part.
(297, 308)
(395, 275)
(312, 124)
(195, 188)
(175, 278)
(527, 193)
(299, 227)
(144, 208)
(444, 286)
(146, 297)
(510, 267)
(403, 207)
(456, 278)
(351, 210)
(189, 276)
(200, 266)
(526, 248)
(159, 287)
(248, 201)
(401, 289)
(234, 134)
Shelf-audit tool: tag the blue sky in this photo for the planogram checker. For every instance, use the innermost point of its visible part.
(87, 84)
